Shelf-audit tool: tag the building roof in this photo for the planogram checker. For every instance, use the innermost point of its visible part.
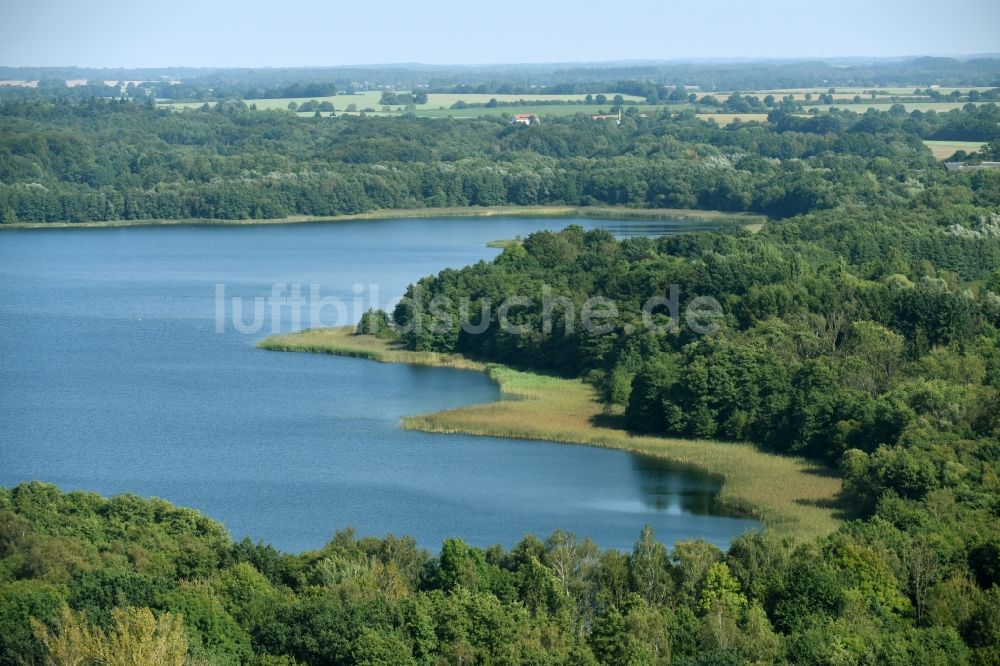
(961, 166)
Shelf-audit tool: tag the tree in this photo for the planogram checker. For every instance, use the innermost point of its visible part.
(879, 352)
(571, 560)
(925, 570)
(72, 642)
(608, 638)
(22, 602)
(720, 586)
(378, 648)
(952, 602)
(137, 638)
(459, 565)
(691, 561)
(649, 568)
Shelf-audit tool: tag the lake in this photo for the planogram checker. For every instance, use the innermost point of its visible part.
(115, 378)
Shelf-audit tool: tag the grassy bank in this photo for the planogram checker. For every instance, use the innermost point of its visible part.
(343, 342)
(788, 494)
(594, 212)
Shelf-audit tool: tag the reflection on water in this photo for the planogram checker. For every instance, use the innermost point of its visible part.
(114, 380)
(677, 488)
(654, 228)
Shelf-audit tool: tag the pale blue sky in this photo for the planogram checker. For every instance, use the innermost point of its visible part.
(134, 33)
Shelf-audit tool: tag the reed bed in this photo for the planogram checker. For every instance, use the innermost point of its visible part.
(791, 495)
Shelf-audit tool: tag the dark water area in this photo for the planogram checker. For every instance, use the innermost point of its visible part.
(114, 378)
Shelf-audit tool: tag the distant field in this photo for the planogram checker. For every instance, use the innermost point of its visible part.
(434, 101)
(800, 96)
(340, 102)
(363, 100)
(439, 105)
(723, 119)
(945, 149)
(884, 106)
(339, 112)
(540, 110)
(863, 90)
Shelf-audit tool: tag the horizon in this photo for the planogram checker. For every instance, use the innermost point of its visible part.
(254, 35)
(610, 64)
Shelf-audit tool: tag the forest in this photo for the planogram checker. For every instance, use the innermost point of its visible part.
(83, 578)
(861, 332)
(860, 328)
(120, 160)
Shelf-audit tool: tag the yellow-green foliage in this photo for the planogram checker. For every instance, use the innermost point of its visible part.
(343, 342)
(790, 494)
(138, 638)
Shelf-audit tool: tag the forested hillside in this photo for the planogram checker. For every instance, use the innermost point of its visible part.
(117, 160)
(80, 574)
(863, 333)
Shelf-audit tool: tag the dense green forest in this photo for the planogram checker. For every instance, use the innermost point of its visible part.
(864, 333)
(119, 160)
(861, 328)
(79, 575)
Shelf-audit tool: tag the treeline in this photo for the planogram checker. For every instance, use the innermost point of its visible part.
(816, 357)
(493, 103)
(111, 160)
(192, 84)
(85, 580)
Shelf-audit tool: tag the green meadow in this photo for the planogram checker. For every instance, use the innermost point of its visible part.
(942, 150)
(439, 105)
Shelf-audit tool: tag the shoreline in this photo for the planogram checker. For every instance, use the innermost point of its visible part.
(587, 212)
(792, 495)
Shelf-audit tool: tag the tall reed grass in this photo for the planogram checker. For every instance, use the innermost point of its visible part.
(791, 495)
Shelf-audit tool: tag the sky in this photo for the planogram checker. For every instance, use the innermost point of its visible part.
(276, 33)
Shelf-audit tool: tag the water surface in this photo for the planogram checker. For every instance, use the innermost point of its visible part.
(114, 379)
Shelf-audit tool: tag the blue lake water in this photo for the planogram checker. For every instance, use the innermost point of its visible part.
(114, 378)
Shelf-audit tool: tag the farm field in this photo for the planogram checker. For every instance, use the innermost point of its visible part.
(435, 101)
(863, 106)
(881, 92)
(540, 110)
(800, 95)
(944, 149)
(723, 119)
(365, 99)
(439, 104)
